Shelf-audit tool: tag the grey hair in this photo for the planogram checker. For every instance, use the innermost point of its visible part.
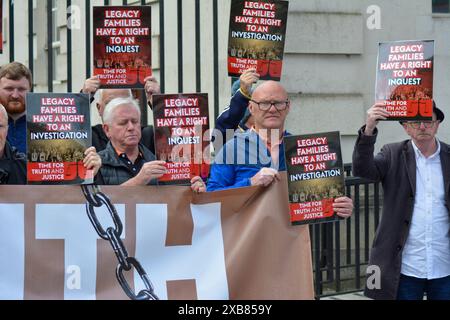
(114, 103)
(3, 110)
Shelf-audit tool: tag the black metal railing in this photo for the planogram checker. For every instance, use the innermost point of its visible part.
(196, 78)
(341, 249)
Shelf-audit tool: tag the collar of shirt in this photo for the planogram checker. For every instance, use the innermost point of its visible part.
(274, 148)
(123, 155)
(419, 154)
(426, 253)
(22, 118)
(267, 142)
(135, 167)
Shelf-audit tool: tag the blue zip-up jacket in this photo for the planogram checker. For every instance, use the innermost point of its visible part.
(240, 159)
(17, 134)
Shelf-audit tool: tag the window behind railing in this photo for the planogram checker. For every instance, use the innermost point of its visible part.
(441, 6)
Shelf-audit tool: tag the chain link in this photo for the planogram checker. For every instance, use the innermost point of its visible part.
(119, 248)
(103, 200)
(96, 199)
(90, 192)
(147, 293)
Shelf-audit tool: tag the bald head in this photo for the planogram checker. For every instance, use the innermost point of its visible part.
(269, 88)
(269, 106)
(107, 95)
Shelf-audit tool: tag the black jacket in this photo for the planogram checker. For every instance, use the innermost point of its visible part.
(114, 171)
(395, 168)
(13, 167)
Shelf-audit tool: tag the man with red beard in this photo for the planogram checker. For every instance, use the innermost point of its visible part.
(15, 83)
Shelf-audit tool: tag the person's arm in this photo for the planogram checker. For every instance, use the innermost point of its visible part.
(150, 170)
(90, 86)
(92, 160)
(223, 176)
(151, 87)
(343, 206)
(364, 163)
(265, 177)
(233, 114)
(197, 185)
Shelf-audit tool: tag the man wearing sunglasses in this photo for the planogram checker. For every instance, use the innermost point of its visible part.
(254, 157)
(411, 249)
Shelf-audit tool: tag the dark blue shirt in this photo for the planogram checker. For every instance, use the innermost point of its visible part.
(135, 167)
(17, 133)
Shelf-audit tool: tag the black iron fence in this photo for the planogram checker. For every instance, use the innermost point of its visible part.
(88, 45)
(341, 249)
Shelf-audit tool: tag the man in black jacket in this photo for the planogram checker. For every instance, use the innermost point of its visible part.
(13, 165)
(411, 250)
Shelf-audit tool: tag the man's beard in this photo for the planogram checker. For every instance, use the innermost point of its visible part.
(15, 107)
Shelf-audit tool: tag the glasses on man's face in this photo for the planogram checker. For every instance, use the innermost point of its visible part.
(265, 105)
(417, 124)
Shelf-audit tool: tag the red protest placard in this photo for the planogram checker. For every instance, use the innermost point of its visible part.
(257, 37)
(181, 123)
(315, 176)
(58, 133)
(405, 79)
(122, 45)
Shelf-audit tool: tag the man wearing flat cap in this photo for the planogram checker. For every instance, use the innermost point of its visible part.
(410, 255)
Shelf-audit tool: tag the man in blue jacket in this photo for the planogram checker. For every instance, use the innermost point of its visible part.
(254, 157)
(250, 158)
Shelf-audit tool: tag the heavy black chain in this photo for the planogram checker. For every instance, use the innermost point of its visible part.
(95, 199)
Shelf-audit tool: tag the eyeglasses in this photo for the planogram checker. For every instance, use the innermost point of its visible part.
(426, 124)
(265, 105)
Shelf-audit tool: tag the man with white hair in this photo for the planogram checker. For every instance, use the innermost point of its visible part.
(99, 138)
(13, 165)
(126, 161)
